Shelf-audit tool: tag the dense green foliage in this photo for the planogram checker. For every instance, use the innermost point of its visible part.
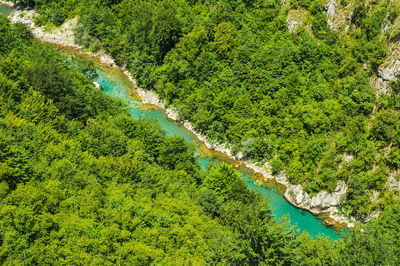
(302, 101)
(82, 182)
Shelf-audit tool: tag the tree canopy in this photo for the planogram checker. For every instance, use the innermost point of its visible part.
(83, 182)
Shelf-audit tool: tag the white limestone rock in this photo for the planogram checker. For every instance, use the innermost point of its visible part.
(331, 12)
(340, 219)
(393, 183)
(390, 71)
(172, 114)
(97, 85)
(292, 24)
(295, 195)
(150, 97)
(324, 200)
(374, 196)
(8, 3)
(282, 179)
(321, 202)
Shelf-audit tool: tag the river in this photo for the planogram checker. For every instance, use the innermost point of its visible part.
(5, 10)
(116, 84)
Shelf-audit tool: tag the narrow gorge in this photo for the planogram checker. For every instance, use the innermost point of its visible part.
(322, 203)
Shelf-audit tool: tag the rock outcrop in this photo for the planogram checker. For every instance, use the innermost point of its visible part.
(393, 183)
(8, 3)
(337, 16)
(331, 13)
(338, 19)
(63, 35)
(389, 70)
(97, 85)
(295, 19)
(320, 203)
(292, 24)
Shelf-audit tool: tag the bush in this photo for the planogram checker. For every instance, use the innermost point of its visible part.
(276, 166)
(359, 13)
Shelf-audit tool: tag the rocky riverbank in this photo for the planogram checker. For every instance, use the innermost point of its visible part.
(323, 202)
(8, 3)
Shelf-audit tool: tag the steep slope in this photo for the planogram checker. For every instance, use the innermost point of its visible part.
(300, 87)
(81, 182)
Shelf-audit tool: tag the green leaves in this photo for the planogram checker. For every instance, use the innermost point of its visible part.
(8, 37)
(386, 125)
(220, 178)
(174, 154)
(225, 37)
(82, 182)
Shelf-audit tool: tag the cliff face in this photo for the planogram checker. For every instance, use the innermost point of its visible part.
(388, 71)
(323, 202)
(319, 203)
(339, 20)
(340, 16)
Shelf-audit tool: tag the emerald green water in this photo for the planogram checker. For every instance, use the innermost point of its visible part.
(6, 10)
(114, 85)
(303, 220)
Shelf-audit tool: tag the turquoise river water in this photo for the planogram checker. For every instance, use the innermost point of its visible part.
(5, 10)
(116, 85)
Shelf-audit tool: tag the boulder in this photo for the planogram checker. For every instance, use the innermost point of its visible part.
(324, 200)
(390, 71)
(321, 202)
(97, 85)
(295, 195)
(331, 12)
(392, 182)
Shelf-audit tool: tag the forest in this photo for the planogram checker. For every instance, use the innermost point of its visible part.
(82, 182)
(301, 101)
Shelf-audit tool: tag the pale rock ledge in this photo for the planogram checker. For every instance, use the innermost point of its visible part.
(323, 202)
